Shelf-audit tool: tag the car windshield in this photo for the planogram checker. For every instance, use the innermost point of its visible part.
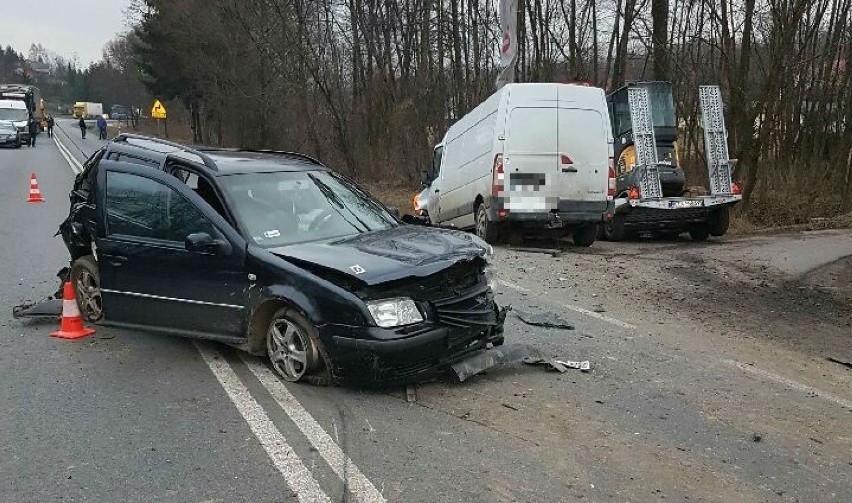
(13, 114)
(283, 208)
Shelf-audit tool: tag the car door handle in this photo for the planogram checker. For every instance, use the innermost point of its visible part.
(437, 190)
(569, 170)
(116, 260)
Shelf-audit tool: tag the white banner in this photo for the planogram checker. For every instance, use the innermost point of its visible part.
(507, 11)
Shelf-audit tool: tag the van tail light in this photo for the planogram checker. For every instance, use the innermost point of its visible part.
(498, 176)
(415, 203)
(564, 159)
(634, 193)
(735, 189)
(611, 189)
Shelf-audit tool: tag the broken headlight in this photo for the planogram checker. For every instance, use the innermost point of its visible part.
(394, 312)
(491, 277)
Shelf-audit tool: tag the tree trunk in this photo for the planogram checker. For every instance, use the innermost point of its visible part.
(660, 15)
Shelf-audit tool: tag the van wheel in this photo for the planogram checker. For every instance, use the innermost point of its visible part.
(720, 220)
(700, 233)
(585, 235)
(614, 229)
(294, 348)
(485, 228)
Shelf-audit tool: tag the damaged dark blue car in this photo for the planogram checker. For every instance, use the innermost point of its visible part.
(276, 254)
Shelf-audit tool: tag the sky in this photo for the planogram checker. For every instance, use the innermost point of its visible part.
(66, 27)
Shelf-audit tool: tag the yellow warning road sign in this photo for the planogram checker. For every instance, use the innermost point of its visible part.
(158, 111)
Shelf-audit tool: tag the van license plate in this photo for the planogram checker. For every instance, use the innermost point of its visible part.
(685, 204)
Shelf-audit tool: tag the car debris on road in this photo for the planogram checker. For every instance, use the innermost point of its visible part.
(545, 320)
(511, 353)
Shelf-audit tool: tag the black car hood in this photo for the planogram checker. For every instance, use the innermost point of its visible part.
(386, 255)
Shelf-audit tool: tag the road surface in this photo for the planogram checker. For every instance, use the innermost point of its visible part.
(709, 382)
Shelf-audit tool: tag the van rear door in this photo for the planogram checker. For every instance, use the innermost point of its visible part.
(530, 158)
(583, 155)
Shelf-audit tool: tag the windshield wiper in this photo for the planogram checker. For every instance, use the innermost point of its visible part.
(335, 201)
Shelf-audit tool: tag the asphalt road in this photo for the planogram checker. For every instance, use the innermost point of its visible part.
(709, 382)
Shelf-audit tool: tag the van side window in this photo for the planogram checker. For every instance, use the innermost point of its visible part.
(436, 161)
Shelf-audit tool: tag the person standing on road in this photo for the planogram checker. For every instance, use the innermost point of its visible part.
(50, 124)
(82, 125)
(102, 125)
(33, 130)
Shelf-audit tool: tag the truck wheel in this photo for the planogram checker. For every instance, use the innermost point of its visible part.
(294, 348)
(87, 288)
(485, 228)
(585, 235)
(614, 229)
(700, 233)
(720, 220)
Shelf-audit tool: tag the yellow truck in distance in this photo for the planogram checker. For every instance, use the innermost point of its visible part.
(87, 110)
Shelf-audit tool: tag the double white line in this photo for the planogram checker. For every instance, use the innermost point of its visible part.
(288, 463)
(76, 166)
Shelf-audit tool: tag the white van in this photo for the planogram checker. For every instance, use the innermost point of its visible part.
(15, 111)
(532, 155)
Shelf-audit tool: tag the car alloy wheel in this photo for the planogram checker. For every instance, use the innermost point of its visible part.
(290, 350)
(88, 293)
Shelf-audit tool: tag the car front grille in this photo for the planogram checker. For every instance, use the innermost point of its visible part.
(458, 298)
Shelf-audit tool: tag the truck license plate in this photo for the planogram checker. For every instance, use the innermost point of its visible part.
(685, 204)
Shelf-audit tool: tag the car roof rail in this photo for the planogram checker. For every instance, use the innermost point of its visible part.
(265, 151)
(204, 157)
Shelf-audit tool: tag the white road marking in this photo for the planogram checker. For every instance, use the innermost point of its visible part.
(75, 165)
(513, 286)
(572, 307)
(804, 388)
(357, 484)
(283, 457)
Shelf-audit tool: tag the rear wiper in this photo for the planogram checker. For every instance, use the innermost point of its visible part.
(335, 200)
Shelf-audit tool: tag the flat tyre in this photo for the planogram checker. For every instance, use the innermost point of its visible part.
(294, 349)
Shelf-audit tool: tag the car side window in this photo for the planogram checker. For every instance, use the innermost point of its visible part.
(144, 208)
(201, 187)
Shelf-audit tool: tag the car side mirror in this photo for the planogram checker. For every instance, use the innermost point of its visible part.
(204, 244)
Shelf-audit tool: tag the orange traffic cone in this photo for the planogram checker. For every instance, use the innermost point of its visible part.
(35, 194)
(72, 322)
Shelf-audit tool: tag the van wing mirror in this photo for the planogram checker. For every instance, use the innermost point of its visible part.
(425, 178)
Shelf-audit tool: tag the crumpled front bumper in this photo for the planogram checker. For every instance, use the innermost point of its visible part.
(366, 355)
